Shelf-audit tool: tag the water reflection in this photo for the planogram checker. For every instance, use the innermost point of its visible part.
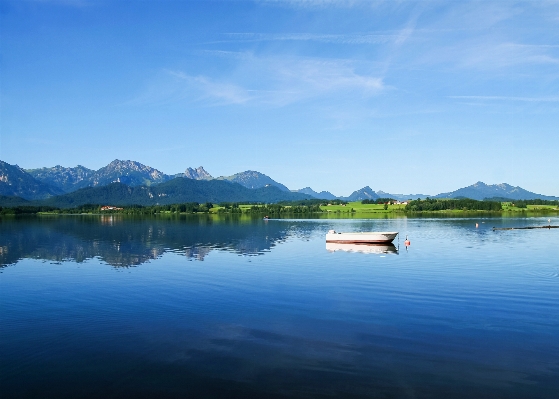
(363, 248)
(125, 242)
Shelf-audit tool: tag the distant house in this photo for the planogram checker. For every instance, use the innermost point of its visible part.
(110, 208)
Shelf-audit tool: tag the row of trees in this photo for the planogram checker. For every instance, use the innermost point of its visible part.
(536, 201)
(25, 210)
(189, 207)
(379, 201)
(276, 209)
(525, 203)
(452, 204)
(315, 201)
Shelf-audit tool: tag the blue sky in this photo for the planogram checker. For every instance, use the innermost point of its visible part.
(406, 96)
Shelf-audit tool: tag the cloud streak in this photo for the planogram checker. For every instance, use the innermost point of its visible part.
(269, 81)
(316, 3)
(69, 3)
(507, 98)
(361, 38)
(212, 90)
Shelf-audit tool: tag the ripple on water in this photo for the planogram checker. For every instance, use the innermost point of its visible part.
(544, 272)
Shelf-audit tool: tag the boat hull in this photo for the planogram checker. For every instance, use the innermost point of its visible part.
(375, 237)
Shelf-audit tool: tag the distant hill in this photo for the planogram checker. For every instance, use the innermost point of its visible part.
(253, 179)
(178, 190)
(14, 181)
(362, 194)
(11, 201)
(480, 190)
(66, 179)
(321, 195)
(401, 197)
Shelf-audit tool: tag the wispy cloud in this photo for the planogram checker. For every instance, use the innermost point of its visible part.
(70, 3)
(170, 87)
(316, 3)
(322, 76)
(361, 38)
(484, 53)
(271, 81)
(210, 89)
(497, 55)
(489, 36)
(506, 98)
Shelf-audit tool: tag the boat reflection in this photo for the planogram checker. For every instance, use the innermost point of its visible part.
(363, 248)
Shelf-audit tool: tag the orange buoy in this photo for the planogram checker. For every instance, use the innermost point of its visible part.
(407, 242)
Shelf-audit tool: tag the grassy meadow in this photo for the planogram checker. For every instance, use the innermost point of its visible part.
(357, 208)
(509, 207)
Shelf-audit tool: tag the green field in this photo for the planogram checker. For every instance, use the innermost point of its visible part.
(509, 207)
(358, 207)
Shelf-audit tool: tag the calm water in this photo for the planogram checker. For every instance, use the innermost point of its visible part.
(200, 307)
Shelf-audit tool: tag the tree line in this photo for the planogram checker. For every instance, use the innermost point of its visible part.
(188, 207)
(525, 203)
(466, 204)
(276, 209)
(379, 201)
(25, 210)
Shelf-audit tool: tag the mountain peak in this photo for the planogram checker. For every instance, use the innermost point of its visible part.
(121, 164)
(197, 174)
(253, 179)
(321, 195)
(362, 194)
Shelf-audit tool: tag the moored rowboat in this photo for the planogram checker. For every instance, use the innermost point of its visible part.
(371, 237)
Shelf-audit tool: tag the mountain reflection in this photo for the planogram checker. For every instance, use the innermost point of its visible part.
(122, 242)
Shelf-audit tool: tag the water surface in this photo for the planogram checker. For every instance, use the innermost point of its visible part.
(209, 307)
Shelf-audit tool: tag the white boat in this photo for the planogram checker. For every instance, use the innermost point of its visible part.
(371, 237)
(362, 248)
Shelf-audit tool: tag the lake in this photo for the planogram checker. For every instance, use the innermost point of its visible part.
(109, 306)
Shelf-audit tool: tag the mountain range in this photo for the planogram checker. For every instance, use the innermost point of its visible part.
(480, 191)
(178, 190)
(321, 195)
(16, 182)
(130, 182)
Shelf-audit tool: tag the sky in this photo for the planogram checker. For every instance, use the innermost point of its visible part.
(402, 96)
